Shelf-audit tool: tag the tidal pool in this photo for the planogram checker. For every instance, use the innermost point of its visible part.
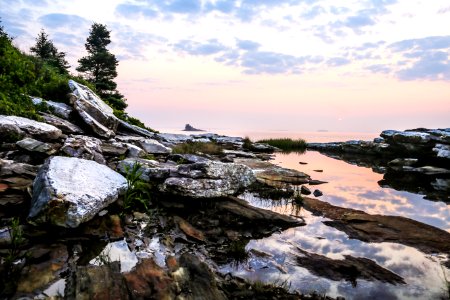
(275, 259)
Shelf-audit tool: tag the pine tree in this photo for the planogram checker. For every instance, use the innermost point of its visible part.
(46, 50)
(99, 67)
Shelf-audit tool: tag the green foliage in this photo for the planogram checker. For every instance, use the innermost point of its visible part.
(197, 148)
(247, 143)
(286, 144)
(138, 191)
(21, 75)
(17, 240)
(99, 67)
(46, 50)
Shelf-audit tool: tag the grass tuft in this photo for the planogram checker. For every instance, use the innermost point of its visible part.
(286, 144)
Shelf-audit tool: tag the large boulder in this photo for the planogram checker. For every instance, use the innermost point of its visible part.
(18, 126)
(69, 191)
(33, 145)
(94, 112)
(208, 180)
(149, 145)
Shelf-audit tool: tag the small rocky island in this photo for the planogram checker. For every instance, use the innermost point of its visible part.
(80, 180)
(188, 127)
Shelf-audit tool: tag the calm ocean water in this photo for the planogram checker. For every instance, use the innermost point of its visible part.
(309, 136)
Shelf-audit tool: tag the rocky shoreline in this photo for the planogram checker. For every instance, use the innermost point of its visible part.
(80, 180)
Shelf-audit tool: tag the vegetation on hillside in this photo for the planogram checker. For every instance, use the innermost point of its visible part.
(45, 74)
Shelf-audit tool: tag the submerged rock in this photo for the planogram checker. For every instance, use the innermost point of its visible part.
(378, 228)
(68, 191)
(21, 126)
(350, 268)
(94, 112)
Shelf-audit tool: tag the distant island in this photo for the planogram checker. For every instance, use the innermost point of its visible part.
(322, 130)
(188, 127)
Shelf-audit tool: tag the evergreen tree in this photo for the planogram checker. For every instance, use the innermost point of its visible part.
(3, 34)
(46, 50)
(99, 67)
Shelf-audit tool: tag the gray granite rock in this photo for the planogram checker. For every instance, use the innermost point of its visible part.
(33, 145)
(208, 180)
(151, 170)
(85, 147)
(94, 112)
(69, 191)
(134, 151)
(154, 147)
(129, 128)
(58, 108)
(62, 124)
(32, 128)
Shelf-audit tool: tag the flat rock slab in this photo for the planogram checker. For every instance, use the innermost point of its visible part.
(69, 191)
(377, 228)
(33, 145)
(273, 175)
(350, 268)
(62, 124)
(30, 127)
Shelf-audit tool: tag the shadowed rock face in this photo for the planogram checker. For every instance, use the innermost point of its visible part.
(350, 268)
(69, 191)
(377, 228)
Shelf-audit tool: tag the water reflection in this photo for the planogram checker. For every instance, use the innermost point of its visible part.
(274, 259)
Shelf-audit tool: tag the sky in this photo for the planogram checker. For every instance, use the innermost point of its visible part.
(298, 65)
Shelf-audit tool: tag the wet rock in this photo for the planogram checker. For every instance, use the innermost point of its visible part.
(350, 268)
(85, 147)
(208, 180)
(274, 175)
(403, 162)
(57, 201)
(97, 282)
(377, 228)
(44, 269)
(32, 128)
(189, 230)
(305, 190)
(149, 281)
(316, 182)
(196, 279)
(64, 125)
(317, 193)
(105, 226)
(430, 170)
(33, 145)
(94, 112)
(58, 108)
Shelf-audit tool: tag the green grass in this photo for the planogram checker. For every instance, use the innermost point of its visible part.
(138, 191)
(286, 144)
(197, 148)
